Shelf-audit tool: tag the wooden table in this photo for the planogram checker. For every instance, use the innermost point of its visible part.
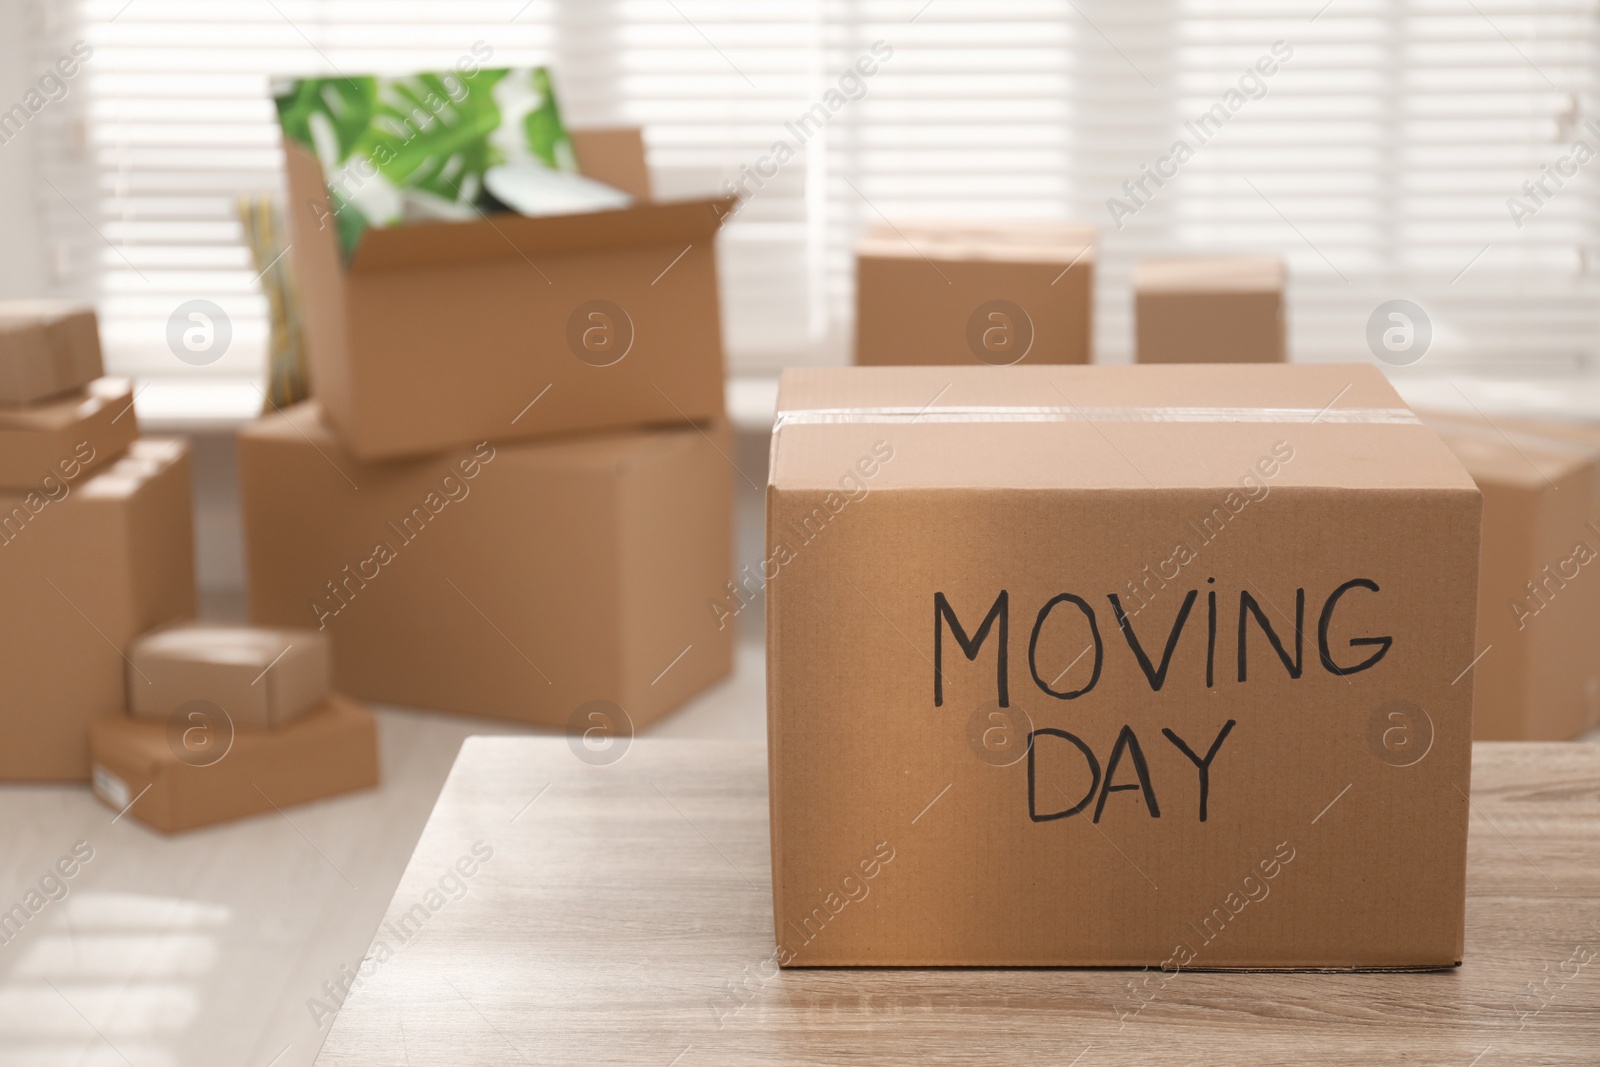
(625, 916)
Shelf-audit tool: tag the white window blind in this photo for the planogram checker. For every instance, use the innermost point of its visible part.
(1379, 156)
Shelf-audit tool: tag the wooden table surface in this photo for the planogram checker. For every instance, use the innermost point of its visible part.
(625, 916)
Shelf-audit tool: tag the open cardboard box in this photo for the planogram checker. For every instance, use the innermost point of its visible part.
(440, 334)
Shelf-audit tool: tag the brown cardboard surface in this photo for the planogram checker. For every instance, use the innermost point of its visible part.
(519, 581)
(47, 347)
(330, 750)
(85, 567)
(1538, 605)
(79, 431)
(995, 293)
(614, 156)
(912, 821)
(262, 678)
(1222, 309)
(445, 334)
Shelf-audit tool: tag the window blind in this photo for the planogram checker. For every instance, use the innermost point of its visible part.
(1385, 155)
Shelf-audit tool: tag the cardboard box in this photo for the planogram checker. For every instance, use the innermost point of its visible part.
(518, 581)
(443, 334)
(985, 293)
(67, 436)
(1225, 309)
(1035, 630)
(144, 763)
(86, 565)
(1538, 604)
(262, 678)
(47, 347)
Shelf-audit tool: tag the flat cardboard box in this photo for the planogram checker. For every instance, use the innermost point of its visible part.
(444, 334)
(77, 432)
(1222, 309)
(517, 581)
(47, 347)
(971, 294)
(1538, 603)
(86, 566)
(332, 749)
(262, 678)
(969, 749)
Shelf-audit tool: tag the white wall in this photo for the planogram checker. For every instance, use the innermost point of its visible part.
(22, 261)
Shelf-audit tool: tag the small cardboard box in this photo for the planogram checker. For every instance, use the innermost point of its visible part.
(47, 347)
(519, 581)
(80, 431)
(1226, 309)
(86, 565)
(1117, 666)
(262, 678)
(1538, 678)
(994, 293)
(175, 781)
(441, 334)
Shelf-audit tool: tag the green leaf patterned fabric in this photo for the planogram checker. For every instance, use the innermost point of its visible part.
(412, 148)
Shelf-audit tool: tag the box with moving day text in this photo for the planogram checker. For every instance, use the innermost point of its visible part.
(1117, 666)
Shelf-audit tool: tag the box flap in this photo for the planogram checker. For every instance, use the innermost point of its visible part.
(506, 236)
(1211, 274)
(1106, 427)
(614, 156)
(1011, 242)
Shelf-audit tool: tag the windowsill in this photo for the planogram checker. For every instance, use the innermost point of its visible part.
(221, 406)
(196, 405)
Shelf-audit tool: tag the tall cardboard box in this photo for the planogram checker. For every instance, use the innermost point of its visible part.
(443, 334)
(991, 293)
(86, 565)
(1539, 575)
(520, 581)
(1223, 309)
(1165, 672)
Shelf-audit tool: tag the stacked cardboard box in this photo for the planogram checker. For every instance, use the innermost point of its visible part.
(993, 293)
(226, 722)
(1538, 678)
(446, 334)
(95, 538)
(453, 561)
(1225, 309)
(1174, 666)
